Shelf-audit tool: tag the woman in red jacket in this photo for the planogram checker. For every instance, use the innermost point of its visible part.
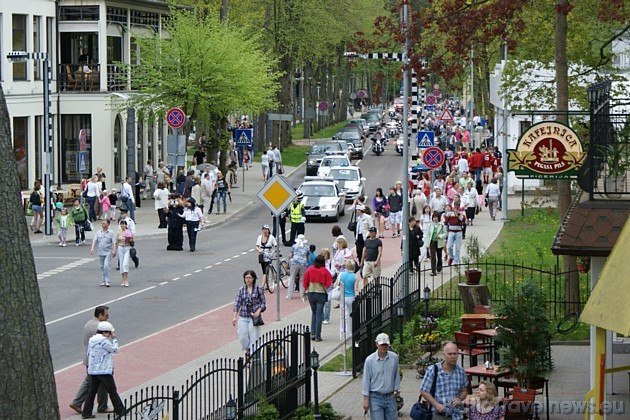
(317, 280)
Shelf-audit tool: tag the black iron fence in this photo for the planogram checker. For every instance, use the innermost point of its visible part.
(279, 370)
(383, 305)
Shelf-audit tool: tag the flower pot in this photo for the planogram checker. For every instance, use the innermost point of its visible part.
(473, 276)
(431, 347)
(583, 267)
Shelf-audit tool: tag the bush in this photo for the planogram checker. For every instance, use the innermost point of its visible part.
(325, 410)
(266, 410)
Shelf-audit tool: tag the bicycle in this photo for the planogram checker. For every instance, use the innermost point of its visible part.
(272, 277)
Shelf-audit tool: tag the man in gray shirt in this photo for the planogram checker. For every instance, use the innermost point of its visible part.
(101, 313)
(104, 239)
(380, 380)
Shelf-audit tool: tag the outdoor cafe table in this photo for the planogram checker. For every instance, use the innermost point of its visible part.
(489, 333)
(493, 374)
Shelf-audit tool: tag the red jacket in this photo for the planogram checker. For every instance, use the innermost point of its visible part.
(317, 275)
(476, 160)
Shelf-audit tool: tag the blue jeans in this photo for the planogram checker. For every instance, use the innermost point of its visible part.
(221, 195)
(92, 210)
(104, 263)
(317, 301)
(453, 246)
(382, 407)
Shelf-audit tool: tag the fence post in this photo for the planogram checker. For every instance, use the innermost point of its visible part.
(306, 337)
(292, 399)
(175, 404)
(240, 392)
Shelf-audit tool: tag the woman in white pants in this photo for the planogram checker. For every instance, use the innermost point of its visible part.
(124, 242)
(349, 289)
(249, 304)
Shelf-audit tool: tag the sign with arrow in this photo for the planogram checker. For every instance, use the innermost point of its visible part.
(426, 139)
(244, 137)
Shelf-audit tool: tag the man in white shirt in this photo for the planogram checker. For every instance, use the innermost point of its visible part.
(127, 191)
(149, 180)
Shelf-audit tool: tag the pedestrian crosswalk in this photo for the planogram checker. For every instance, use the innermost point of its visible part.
(65, 267)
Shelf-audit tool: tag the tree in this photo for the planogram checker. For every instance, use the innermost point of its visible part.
(27, 382)
(210, 68)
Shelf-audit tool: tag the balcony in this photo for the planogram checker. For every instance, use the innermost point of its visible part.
(81, 78)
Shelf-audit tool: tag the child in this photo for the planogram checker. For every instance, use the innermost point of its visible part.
(113, 197)
(311, 254)
(106, 206)
(63, 221)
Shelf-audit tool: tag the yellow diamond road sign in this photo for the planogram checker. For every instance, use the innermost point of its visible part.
(277, 194)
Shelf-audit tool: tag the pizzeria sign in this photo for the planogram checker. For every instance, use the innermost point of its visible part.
(547, 150)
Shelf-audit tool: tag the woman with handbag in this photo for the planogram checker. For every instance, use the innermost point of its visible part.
(124, 242)
(347, 280)
(249, 305)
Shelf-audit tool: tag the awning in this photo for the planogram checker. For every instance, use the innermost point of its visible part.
(609, 304)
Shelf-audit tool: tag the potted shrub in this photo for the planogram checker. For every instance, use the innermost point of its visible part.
(474, 251)
(617, 164)
(524, 331)
(583, 264)
(430, 341)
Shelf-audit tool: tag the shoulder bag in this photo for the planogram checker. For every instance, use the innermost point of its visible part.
(352, 225)
(422, 410)
(258, 320)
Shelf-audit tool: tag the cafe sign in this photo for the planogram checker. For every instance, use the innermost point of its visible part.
(547, 150)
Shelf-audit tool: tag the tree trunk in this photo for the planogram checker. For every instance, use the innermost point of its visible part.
(28, 384)
(571, 285)
(473, 295)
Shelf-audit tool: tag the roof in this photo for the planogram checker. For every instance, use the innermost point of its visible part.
(590, 228)
(611, 292)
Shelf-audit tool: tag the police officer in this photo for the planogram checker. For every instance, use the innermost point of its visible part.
(297, 216)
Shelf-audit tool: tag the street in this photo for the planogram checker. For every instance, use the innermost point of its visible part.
(170, 287)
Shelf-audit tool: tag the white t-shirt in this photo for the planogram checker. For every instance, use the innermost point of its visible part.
(127, 191)
(492, 190)
(93, 189)
(462, 165)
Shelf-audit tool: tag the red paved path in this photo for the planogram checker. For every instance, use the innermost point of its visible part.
(158, 354)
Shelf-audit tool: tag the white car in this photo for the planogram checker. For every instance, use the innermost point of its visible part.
(322, 198)
(330, 161)
(350, 180)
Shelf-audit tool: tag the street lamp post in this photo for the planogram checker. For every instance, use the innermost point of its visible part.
(230, 409)
(427, 299)
(400, 312)
(20, 56)
(315, 366)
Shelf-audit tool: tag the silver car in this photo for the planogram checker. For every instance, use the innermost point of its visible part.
(350, 180)
(323, 198)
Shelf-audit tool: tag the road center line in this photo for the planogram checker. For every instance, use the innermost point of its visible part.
(186, 275)
(175, 279)
(92, 308)
(207, 267)
(198, 271)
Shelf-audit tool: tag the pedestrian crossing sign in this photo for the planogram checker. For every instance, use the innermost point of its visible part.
(426, 139)
(243, 137)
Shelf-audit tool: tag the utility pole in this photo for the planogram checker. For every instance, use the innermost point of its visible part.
(405, 165)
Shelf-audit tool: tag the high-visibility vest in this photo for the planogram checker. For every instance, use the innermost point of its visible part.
(296, 213)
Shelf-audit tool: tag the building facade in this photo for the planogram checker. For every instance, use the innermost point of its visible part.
(86, 42)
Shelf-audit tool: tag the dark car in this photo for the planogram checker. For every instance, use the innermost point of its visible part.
(373, 121)
(317, 153)
(354, 141)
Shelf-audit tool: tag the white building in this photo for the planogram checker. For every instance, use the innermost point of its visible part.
(85, 39)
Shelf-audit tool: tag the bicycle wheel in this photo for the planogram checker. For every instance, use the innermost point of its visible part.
(271, 278)
(568, 323)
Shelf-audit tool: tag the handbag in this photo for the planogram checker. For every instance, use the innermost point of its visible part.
(352, 224)
(414, 209)
(88, 227)
(335, 294)
(261, 258)
(422, 410)
(258, 321)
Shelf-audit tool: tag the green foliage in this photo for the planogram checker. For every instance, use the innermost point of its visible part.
(326, 412)
(326, 133)
(293, 155)
(525, 333)
(266, 410)
(336, 363)
(208, 68)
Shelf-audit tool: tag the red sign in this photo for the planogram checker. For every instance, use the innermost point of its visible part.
(82, 140)
(446, 115)
(433, 157)
(323, 106)
(175, 118)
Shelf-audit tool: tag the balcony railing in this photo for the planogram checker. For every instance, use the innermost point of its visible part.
(82, 78)
(606, 171)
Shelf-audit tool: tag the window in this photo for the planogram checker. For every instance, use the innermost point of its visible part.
(117, 14)
(19, 44)
(37, 46)
(71, 125)
(74, 13)
(20, 148)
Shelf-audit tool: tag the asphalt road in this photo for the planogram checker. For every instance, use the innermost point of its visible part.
(170, 287)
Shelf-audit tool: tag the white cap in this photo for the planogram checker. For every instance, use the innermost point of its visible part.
(105, 326)
(382, 338)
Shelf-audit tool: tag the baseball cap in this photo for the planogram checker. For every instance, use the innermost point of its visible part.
(105, 326)
(361, 207)
(382, 338)
(372, 229)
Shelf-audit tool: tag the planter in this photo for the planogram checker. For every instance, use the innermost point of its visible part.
(430, 348)
(473, 276)
(426, 327)
(583, 267)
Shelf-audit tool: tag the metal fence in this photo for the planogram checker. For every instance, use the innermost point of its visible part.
(383, 305)
(279, 371)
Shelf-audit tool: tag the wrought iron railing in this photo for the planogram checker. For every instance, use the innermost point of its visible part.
(375, 309)
(605, 172)
(279, 370)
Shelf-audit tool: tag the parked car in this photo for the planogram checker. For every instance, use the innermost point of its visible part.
(354, 140)
(320, 150)
(350, 180)
(330, 161)
(323, 198)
